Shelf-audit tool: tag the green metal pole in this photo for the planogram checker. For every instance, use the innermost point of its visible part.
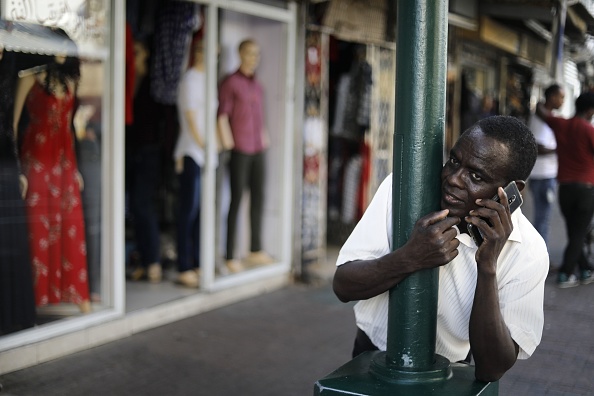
(421, 65)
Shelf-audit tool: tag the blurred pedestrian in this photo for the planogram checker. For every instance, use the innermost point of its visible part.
(542, 181)
(575, 154)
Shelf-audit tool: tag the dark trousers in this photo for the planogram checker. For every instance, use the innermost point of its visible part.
(577, 206)
(143, 180)
(188, 222)
(246, 171)
(362, 344)
(89, 165)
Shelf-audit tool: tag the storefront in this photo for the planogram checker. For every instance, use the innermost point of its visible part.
(348, 127)
(93, 302)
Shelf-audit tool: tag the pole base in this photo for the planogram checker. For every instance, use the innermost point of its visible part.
(382, 369)
(355, 378)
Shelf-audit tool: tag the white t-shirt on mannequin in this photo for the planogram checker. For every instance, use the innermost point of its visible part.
(191, 96)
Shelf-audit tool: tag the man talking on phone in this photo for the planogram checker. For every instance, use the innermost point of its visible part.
(490, 297)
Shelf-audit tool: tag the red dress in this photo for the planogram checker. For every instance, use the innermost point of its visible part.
(53, 201)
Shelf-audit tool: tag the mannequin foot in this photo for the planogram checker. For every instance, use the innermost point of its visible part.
(234, 266)
(155, 273)
(259, 258)
(85, 307)
(189, 278)
(139, 273)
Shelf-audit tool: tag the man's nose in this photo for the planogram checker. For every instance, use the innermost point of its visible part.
(455, 178)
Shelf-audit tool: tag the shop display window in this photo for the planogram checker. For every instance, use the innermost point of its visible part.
(53, 71)
(177, 218)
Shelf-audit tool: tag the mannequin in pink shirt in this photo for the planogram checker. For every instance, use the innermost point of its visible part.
(241, 125)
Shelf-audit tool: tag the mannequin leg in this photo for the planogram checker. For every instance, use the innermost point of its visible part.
(257, 176)
(188, 219)
(146, 225)
(238, 173)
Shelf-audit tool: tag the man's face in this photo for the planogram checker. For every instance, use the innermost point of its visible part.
(250, 57)
(476, 168)
(558, 99)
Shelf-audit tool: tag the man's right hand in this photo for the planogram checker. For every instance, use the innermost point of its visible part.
(432, 242)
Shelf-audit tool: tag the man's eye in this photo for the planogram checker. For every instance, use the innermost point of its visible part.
(475, 176)
(453, 161)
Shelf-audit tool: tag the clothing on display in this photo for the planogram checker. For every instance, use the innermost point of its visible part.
(53, 200)
(17, 305)
(143, 169)
(353, 102)
(191, 100)
(176, 21)
(241, 100)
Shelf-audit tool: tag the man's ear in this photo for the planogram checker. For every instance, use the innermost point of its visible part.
(521, 184)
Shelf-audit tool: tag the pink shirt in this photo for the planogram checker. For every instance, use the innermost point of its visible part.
(241, 98)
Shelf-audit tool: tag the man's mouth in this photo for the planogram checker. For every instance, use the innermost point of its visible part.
(451, 199)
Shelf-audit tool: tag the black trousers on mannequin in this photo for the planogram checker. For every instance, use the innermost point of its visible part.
(576, 201)
(246, 171)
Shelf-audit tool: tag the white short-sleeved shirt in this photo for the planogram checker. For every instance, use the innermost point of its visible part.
(521, 271)
(546, 164)
(191, 96)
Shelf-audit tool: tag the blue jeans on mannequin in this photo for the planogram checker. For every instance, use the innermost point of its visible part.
(543, 193)
(188, 223)
(577, 206)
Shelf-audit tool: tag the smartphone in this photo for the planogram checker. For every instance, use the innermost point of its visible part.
(514, 198)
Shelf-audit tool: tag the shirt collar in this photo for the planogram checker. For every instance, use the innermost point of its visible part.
(515, 236)
(253, 76)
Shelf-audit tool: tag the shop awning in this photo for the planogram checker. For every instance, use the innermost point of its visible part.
(579, 18)
(41, 40)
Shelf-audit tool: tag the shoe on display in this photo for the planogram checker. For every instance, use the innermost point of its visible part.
(586, 277)
(234, 266)
(85, 307)
(259, 258)
(564, 281)
(189, 278)
(155, 273)
(138, 274)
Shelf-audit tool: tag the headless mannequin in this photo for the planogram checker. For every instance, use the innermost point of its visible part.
(143, 167)
(249, 53)
(189, 157)
(59, 91)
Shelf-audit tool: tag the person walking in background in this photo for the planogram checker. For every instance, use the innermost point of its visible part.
(542, 181)
(575, 154)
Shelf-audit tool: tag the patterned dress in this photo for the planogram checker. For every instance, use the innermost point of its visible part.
(53, 201)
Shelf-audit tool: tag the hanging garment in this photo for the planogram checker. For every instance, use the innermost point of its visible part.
(53, 201)
(175, 24)
(17, 307)
(352, 181)
(353, 104)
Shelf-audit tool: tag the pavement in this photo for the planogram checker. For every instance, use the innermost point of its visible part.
(282, 342)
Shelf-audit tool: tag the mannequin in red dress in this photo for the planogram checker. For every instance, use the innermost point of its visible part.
(53, 184)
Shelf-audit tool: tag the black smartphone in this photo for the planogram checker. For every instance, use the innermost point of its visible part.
(514, 198)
